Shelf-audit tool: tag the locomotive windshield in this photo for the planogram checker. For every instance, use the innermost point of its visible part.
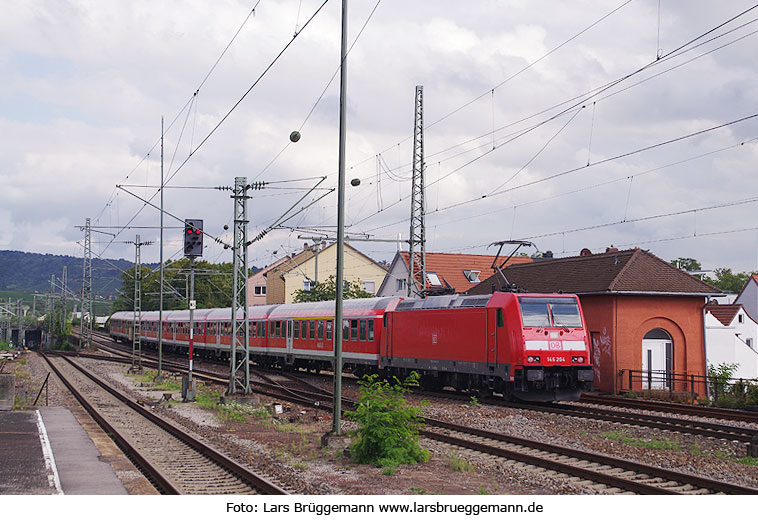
(550, 311)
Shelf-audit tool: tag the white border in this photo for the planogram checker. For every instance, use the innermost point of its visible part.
(47, 452)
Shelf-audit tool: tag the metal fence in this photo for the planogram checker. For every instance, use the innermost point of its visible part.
(681, 385)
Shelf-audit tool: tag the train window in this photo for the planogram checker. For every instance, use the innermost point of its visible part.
(566, 314)
(370, 330)
(354, 330)
(278, 329)
(328, 329)
(535, 314)
(321, 329)
(537, 311)
(304, 329)
(345, 329)
(297, 330)
(312, 329)
(500, 318)
(362, 333)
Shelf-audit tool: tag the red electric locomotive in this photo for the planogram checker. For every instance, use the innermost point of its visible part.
(531, 346)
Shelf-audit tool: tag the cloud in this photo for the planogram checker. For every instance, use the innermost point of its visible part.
(86, 84)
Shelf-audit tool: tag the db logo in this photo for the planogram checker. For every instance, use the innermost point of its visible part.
(555, 345)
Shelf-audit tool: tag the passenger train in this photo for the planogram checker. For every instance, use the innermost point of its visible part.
(533, 347)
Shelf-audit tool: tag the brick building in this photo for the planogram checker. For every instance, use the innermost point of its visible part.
(643, 314)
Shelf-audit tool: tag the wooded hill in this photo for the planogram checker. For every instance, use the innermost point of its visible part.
(29, 272)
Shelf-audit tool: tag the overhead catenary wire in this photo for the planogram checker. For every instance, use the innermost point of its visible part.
(184, 107)
(233, 108)
(587, 96)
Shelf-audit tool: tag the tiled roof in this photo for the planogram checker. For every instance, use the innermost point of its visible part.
(633, 271)
(724, 313)
(450, 268)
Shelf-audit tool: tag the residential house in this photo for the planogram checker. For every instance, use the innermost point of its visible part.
(643, 314)
(730, 337)
(748, 296)
(315, 264)
(445, 273)
(257, 284)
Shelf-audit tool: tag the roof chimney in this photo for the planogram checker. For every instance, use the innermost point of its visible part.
(305, 246)
(611, 249)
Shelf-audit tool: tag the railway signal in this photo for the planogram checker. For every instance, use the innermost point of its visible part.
(193, 238)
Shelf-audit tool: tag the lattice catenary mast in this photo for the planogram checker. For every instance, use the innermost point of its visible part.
(240, 354)
(417, 237)
(85, 326)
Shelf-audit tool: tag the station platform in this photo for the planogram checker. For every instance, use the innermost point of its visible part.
(46, 451)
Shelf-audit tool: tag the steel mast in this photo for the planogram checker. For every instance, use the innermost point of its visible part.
(417, 237)
(240, 323)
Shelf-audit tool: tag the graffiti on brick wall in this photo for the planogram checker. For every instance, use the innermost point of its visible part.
(601, 349)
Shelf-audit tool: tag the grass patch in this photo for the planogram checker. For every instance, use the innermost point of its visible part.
(228, 411)
(458, 464)
(657, 444)
(752, 462)
(291, 428)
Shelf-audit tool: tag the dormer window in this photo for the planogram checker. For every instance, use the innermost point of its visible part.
(472, 276)
(433, 278)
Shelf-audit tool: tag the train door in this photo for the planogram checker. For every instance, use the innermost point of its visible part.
(494, 320)
(388, 334)
(289, 336)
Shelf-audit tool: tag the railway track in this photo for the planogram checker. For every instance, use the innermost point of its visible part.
(176, 462)
(601, 470)
(296, 387)
(673, 408)
(668, 423)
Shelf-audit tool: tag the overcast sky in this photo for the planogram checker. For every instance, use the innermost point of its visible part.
(572, 118)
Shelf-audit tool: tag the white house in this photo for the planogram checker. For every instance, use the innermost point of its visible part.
(748, 296)
(730, 337)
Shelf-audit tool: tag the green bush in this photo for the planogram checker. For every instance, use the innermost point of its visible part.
(388, 430)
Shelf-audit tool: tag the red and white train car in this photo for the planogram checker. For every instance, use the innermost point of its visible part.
(531, 346)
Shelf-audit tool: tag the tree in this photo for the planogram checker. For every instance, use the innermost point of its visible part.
(327, 290)
(213, 286)
(728, 281)
(686, 264)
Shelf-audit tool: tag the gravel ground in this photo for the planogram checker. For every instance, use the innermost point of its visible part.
(286, 447)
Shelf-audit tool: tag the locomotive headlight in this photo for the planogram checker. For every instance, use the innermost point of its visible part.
(530, 359)
(578, 359)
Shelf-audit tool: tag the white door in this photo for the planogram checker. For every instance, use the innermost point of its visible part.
(654, 365)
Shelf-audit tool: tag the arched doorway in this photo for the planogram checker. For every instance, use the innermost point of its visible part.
(657, 357)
